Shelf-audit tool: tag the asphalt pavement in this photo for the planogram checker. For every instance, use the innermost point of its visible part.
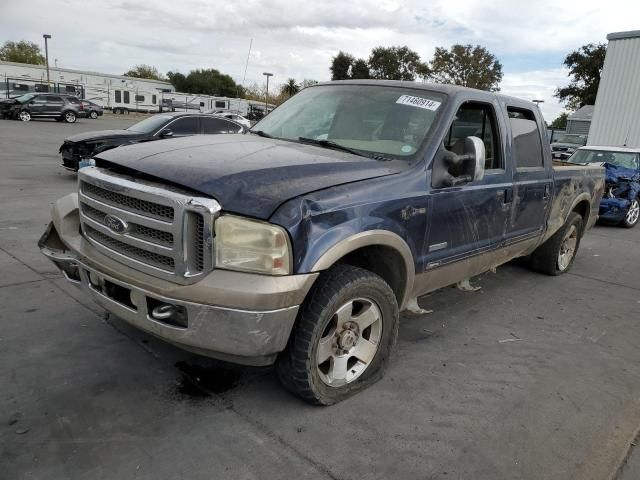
(532, 377)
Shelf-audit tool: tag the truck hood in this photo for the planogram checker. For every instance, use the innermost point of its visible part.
(247, 174)
(103, 135)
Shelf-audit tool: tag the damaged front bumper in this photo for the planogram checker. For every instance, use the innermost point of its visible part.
(613, 210)
(237, 317)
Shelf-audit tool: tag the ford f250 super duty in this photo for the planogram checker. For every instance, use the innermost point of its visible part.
(300, 242)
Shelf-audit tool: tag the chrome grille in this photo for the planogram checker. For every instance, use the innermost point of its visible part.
(138, 254)
(131, 204)
(159, 230)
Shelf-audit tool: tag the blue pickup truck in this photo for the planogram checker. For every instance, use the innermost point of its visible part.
(300, 242)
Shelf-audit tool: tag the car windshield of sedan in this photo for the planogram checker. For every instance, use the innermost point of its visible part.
(575, 139)
(619, 159)
(151, 124)
(370, 120)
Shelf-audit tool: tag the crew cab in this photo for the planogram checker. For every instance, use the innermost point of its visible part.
(301, 242)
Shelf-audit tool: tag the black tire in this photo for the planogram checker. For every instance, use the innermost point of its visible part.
(545, 258)
(93, 115)
(297, 367)
(69, 116)
(631, 221)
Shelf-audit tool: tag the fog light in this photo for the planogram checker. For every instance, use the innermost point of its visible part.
(163, 312)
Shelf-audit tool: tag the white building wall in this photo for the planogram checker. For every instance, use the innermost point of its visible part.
(616, 118)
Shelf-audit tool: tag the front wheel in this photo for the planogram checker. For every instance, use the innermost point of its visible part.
(24, 116)
(556, 255)
(69, 117)
(343, 337)
(633, 214)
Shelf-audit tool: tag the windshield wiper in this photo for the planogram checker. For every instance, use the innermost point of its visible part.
(261, 133)
(330, 144)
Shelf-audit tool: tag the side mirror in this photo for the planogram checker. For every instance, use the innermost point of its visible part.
(166, 133)
(451, 169)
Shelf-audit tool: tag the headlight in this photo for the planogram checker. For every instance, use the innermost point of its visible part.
(251, 246)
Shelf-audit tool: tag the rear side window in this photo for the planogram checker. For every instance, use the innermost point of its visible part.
(126, 96)
(118, 96)
(527, 147)
(218, 125)
(53, 99)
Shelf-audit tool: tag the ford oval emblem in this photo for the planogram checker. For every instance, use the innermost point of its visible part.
(116, 224)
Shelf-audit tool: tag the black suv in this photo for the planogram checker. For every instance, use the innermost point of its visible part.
(47, 105)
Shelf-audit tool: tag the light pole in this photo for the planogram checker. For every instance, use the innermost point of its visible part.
(46, 36)
(266, 97)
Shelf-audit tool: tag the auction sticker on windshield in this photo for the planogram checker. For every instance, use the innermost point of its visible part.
(418, 102)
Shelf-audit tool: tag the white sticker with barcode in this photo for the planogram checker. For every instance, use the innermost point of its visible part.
(418, 102)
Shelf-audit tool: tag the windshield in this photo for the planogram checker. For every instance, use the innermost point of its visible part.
(575, 139)
(150, 124)
(619, 159)
(370, 119)
(25, 98)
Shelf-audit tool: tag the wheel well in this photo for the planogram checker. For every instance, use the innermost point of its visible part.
(582, 209)
(383, 261)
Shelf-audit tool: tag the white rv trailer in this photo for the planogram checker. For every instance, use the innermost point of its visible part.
(109, 91)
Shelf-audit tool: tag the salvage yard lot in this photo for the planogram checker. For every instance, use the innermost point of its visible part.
(532, 377)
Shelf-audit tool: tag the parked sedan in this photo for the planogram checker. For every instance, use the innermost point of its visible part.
(91, 110)
(621, 201)
(165, 125)
(566, 144)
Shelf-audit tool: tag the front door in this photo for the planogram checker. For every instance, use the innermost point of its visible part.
(468, 222)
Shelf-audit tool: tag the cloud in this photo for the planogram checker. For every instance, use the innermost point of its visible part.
(298, 39)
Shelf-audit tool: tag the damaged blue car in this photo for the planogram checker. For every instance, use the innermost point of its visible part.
(620, 204)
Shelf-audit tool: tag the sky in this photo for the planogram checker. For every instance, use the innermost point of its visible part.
(297, 39)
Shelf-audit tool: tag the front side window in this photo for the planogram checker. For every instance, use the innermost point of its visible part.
(369, 119)
(475, 120)
(619, 159)
(184, 126)
(527, 146)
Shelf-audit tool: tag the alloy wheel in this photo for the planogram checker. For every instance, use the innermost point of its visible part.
(634, 213)
(349, 342)
(568, 248)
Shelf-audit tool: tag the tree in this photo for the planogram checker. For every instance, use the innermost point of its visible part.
(394, 63)
(205, 81)
(561, 121)
(466, 65)
(341, 66)
(290, 88)
(145, 71)
(22, 52)
(585, 66)
(360, 69)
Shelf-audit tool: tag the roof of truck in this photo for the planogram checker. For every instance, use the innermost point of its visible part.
(450, 90)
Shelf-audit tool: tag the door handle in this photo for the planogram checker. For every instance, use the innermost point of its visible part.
(507, 195)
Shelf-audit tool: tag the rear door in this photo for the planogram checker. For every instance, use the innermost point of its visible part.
(532, 175)
(54, 105)
(470, 220)
(37, 105)
(212, 126)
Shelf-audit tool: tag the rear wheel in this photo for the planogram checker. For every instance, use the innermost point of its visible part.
(556, 255)
(343, 337)
(69, 117)
(633, 214)
(93, 114)
(24, 116)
